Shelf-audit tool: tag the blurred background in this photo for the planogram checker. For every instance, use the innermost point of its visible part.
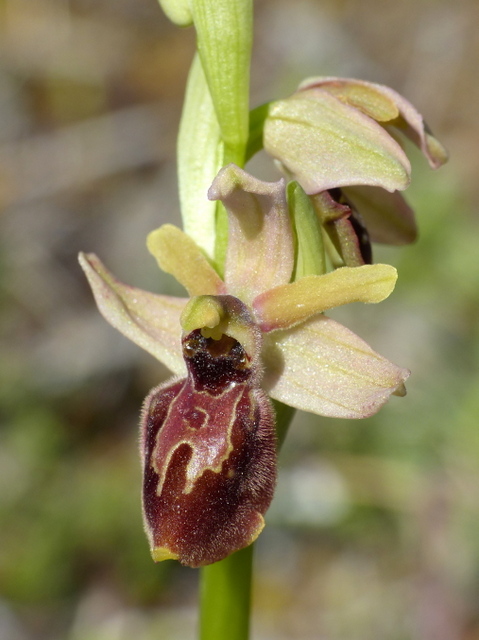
(374, 531)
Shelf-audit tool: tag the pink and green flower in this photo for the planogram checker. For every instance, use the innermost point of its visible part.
(258, 331)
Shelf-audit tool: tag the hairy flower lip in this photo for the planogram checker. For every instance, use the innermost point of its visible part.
(209, 454)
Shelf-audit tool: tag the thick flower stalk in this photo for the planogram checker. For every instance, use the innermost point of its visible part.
(208, 440)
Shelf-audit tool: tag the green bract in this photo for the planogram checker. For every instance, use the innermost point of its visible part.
(224, 36)
(200, 157)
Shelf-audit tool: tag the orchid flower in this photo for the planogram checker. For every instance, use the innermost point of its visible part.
(343, 133)
(207, 440)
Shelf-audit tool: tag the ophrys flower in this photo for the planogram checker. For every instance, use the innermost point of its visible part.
(241, 337)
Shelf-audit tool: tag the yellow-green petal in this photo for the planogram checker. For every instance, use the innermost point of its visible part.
(290, 304)
(177, 254)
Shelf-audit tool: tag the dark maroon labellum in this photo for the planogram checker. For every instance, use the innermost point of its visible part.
(208, 447)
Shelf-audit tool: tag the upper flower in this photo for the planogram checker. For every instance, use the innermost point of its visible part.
(336, 132)
(340, 132)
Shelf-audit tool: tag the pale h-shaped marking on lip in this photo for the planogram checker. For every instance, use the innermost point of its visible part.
(210, 442)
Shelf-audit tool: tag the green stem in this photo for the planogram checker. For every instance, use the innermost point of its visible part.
(225, 591)
(225, 597)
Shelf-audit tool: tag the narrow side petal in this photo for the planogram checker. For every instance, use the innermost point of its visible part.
(151, 321)
(208, 449)
(389, 218)
(260, 248)
(177, 254)
(324, 368)
(326, 143)
(290, 304)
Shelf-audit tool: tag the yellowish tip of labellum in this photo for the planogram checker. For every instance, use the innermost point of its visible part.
(162, 553)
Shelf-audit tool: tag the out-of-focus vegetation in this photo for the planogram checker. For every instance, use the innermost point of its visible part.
(375, 529)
